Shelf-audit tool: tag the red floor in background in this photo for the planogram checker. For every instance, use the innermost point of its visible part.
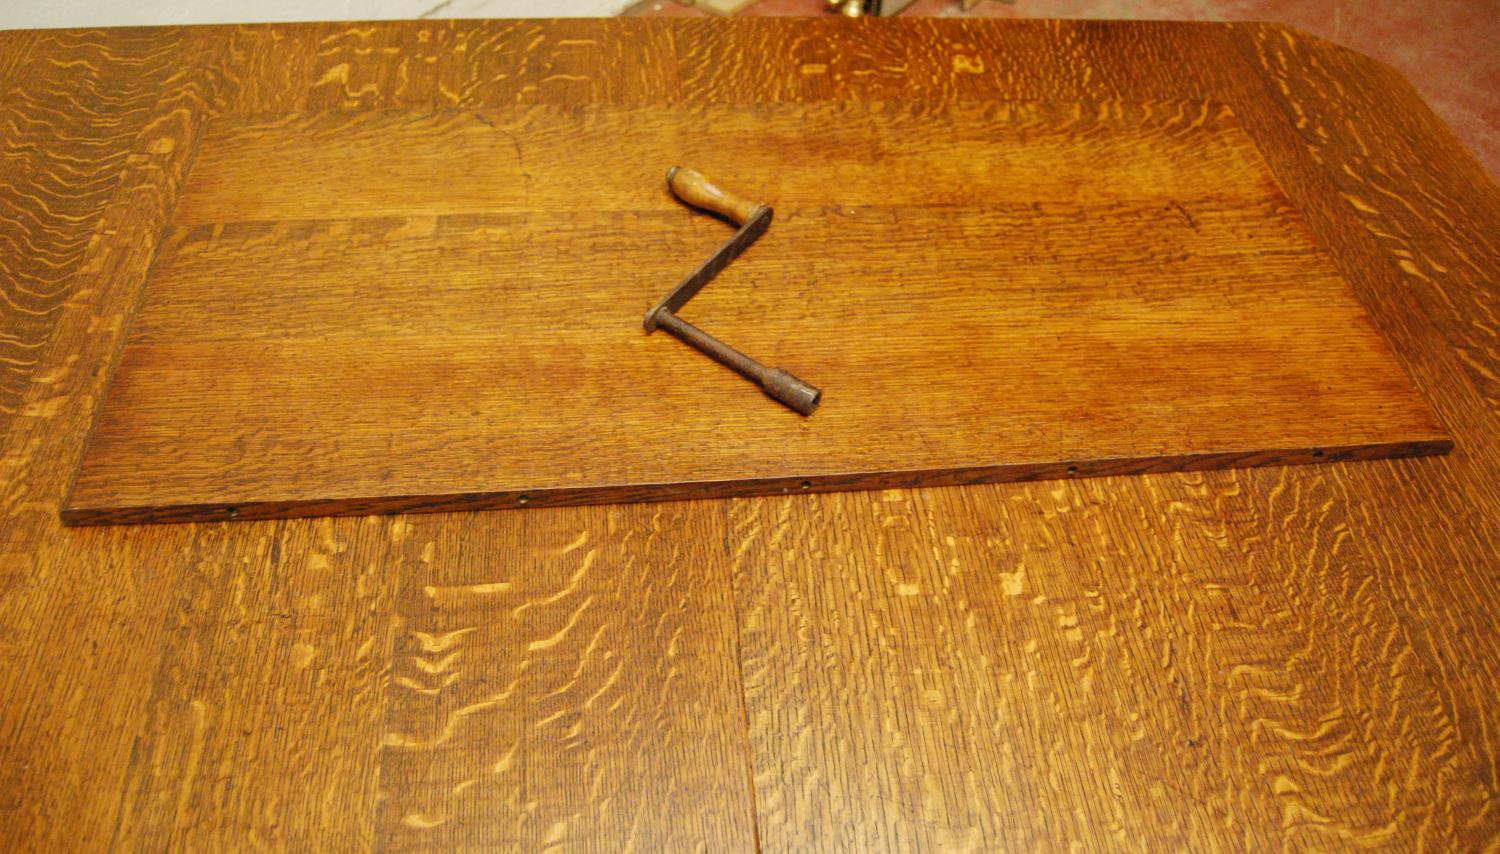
(1448, 49)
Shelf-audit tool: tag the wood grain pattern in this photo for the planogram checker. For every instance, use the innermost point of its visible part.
(1298, 657)
(339, 323)
(538, 702)
(67, 138)
(81, 626)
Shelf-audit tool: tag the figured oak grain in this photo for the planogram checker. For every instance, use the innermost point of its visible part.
(624, 679)
(1274, 658)
(338, 323)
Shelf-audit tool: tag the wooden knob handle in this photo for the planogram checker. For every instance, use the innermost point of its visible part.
(692, 187)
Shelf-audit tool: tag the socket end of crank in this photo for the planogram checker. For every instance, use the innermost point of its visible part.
(794, 393)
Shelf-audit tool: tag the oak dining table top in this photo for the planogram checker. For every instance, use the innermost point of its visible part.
(1293, 656)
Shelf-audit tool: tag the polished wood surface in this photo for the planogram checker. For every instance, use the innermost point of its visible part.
(1287, 657)
(377, 311)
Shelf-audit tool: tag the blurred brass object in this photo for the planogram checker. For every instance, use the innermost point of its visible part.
(866, 8)
(722, 7)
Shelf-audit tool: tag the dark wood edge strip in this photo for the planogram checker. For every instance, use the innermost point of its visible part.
(635, 493)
